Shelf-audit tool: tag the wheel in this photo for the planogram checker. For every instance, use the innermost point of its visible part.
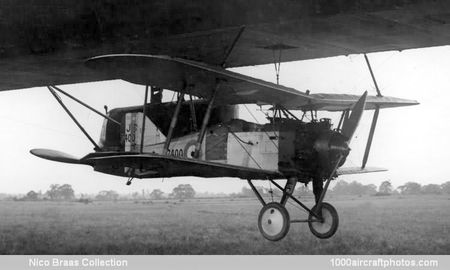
(273, 221)
(330, 223)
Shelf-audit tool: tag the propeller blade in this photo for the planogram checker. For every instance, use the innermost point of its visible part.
(350, 124)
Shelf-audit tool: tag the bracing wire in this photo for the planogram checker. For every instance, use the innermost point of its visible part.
(245, 149)
(277, 65)
(237, 137)
(268, 136)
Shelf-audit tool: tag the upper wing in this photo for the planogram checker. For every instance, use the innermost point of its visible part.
(200, 79)
(44, 42)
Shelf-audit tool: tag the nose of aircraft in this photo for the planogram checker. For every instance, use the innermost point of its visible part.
(330, 146)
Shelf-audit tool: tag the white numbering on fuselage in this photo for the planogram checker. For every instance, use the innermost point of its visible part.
(176, 152)
(188, 150)
(130, 138)
(130, 133)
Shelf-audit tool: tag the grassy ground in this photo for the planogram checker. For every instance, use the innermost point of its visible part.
(368, 225)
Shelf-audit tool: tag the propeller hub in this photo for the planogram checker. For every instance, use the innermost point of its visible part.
(329, 147)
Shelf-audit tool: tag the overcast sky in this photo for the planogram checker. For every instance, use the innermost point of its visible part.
(412, 142)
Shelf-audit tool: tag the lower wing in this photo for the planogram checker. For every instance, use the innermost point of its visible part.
(358, 170)
(155, 166)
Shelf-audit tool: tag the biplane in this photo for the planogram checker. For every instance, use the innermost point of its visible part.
(200, 134)
(187, 47)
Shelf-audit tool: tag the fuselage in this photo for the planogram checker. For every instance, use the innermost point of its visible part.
(285, 145)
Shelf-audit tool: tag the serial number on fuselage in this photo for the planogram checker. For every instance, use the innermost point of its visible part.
(176, 152)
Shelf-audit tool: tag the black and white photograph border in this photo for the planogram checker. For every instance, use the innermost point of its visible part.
(224, 128)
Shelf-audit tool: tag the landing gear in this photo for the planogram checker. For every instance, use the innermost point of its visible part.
(317, 188)
(325, 226)
(273, 221)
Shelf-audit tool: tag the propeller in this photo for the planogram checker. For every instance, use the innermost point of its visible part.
(333, 147)
(350, 124)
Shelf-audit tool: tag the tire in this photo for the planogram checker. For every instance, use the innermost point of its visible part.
(329, 226)
(274, 221)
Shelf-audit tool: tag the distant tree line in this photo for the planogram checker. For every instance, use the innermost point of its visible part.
(386, 189)
(357, 189)
(107, 195)
(54, 193)
(65, 192)
(180, 192)
(354, 188)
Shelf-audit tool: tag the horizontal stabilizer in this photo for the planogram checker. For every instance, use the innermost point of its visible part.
(55, 156)
(359, 170)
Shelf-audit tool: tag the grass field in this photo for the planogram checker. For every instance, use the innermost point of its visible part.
(368, 225)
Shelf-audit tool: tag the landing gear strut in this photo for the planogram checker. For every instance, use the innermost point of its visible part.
(274, 219)
(317, 188)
